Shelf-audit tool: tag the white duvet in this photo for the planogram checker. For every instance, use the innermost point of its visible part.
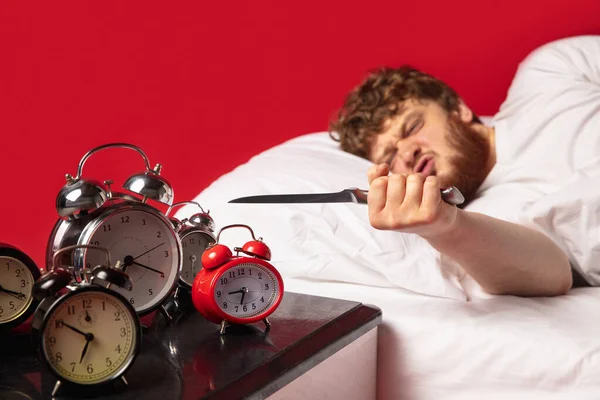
(498, 348)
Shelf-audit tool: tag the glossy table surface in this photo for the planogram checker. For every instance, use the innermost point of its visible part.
(189, 359)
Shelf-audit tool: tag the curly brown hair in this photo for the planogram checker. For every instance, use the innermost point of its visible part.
(378, 98)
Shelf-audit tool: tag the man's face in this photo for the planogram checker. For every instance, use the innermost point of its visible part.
(424, 138)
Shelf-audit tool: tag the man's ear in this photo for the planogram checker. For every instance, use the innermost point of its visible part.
(464, 112)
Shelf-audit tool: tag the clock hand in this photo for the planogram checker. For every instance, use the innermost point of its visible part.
(193, 260)
(155, 247)
(151, 269)
(74, 329)
(18, 295)
(87, 316)
(88, 338)
(127, 262)
(244, 291)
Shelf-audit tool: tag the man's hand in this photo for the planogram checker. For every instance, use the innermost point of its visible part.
(408, 203)
(503, 257)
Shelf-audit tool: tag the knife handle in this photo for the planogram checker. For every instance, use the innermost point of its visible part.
(450, 195)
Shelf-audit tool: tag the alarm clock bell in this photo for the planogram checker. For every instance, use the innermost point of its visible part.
(151, 185)
(199, 221)
(80, 196)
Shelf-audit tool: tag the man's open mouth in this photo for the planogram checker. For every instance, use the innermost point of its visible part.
(425, 165)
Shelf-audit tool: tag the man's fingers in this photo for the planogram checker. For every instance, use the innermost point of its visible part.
(377, 195)
(396, 190)
(431, 194)
(376, 171)
(414, 190)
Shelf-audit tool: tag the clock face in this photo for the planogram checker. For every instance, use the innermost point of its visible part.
(193, 245)
(146, 246)
(16, 283)
(246, 290)
(90, 337)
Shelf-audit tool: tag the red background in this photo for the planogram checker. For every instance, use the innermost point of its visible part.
(203, 86)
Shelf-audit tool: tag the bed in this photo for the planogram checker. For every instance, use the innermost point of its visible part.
(441, 336)
(499, 348)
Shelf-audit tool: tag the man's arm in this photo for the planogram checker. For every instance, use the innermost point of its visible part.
(504, 258)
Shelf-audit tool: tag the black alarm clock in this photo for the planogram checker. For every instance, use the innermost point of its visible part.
(86, 333)
(18, 274)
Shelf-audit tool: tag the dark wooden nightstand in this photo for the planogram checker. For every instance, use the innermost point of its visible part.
(316, 348)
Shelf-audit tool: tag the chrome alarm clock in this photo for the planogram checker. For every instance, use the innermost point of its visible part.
(239, 289)
(136, 233)
(18, 273)
(196, 233)
(85, 332)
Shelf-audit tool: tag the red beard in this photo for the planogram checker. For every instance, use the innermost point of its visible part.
(469, 164)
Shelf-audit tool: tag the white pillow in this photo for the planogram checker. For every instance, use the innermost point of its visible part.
(327, 242)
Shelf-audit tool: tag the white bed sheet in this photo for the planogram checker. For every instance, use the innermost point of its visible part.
(496, 348)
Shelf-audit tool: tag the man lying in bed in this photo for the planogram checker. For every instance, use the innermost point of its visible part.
(546, 134)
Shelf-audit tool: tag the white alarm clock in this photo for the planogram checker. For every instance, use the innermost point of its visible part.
(137, 234)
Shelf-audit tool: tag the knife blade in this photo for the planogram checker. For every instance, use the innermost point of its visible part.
(450, 195)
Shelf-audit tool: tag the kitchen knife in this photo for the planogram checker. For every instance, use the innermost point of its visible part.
(450, 195)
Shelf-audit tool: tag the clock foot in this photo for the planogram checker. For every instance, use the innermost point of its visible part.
(176, 298)
(56, 388)
(223, 327)
(164, 312)
(183, 299)
(124, 380)
(267, 323)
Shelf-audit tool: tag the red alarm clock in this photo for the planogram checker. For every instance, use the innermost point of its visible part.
(237, 289)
